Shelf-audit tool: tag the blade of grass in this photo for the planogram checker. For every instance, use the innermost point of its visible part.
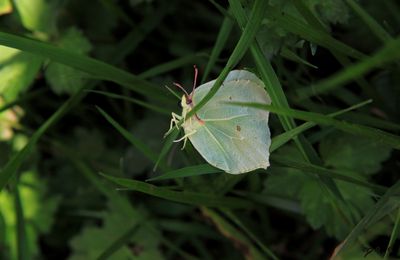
(143, 148)
(250, 234)
(15, 162)
(120, 242)
(187, 172)
(387, 203)
(375, 28)
(219, 45)
(96, 68)
(173, 64)
(303, 30)
(395, 235)
(23, 251)
(341, 58)
(233, 234)
(191, 198)
(380, 136)
(334, 174)
(283, 138)
(387, 54)
(149, 106)
(246, 39)
(290, 55)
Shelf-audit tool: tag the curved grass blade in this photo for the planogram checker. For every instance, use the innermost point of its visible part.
(143, 148)
(389, 202)
(290, 55)
(120, 242)
(389, 53)
(298, 27)
(22, 242)
(96, 68)
(283, 138)
(15, 162)
(395, 235)
(233, 234)
(187, 172)
(133, 100)
(191, 198)
(173, 64)
(222, 37)
(378, 135)
(318, 170)
(373, 25)
(250, 234)
(246, 39)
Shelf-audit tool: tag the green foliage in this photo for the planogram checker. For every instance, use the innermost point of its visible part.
(85, 169)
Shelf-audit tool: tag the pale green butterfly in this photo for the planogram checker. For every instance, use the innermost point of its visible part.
(233, 138)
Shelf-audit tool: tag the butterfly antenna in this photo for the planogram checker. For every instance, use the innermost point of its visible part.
(196, 72)
(180, 87)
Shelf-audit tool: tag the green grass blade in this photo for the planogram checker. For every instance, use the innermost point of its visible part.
(120, 242)
(341, 58)
(375, 28)
(283, 138)
(143, 148)
(96, 68)
(395, 235)
(12, 166)
(290, 55)
(173, 64)
(380, 136)
(303, 30)
(389, 202)
(231, 232)
(22, 245)
(187, 172)
(250, 234)
(334, 174)
(191, 198)
(222, 37)
(389, 53)
(150, 107)
(246, 39)
(169, 141)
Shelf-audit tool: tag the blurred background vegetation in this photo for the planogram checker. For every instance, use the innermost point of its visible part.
(84, 109)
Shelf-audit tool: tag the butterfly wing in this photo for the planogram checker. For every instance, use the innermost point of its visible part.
(233, 138)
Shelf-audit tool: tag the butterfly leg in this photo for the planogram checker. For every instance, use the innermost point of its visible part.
(184, 138)
(174, 121)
